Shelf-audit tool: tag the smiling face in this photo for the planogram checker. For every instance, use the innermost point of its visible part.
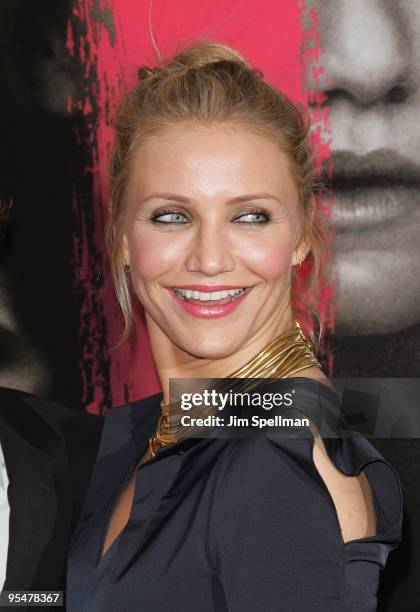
(214, 206)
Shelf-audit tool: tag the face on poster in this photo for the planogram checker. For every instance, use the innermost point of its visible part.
(369, 54)
(36, 292)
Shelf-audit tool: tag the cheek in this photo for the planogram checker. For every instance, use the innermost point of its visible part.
(151, 255)
(269, 257)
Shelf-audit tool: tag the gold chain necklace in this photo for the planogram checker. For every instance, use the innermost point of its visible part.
(283, 357)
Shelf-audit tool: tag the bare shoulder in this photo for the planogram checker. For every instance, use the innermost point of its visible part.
(352, 495)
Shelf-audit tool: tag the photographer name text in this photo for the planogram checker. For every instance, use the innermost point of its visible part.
(234, 421)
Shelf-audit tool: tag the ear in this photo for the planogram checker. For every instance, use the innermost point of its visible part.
(303, 247)
(126, 252)
(301, 251)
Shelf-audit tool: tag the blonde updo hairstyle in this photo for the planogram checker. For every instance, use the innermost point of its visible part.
(211, 82)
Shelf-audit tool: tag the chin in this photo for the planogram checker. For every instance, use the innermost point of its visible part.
(208, 345)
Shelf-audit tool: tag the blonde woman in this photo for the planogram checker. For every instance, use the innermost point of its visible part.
(212, 212)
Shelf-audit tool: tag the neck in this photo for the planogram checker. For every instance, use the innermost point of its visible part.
(173, 362)
(283, 356)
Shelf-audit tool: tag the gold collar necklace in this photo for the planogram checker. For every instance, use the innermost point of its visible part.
(283, 357)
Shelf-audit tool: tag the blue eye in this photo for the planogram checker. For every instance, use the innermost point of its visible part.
(178, 218)
(175, 214)
(265, 217)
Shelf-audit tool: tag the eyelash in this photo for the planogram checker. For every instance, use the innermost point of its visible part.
(253, 211)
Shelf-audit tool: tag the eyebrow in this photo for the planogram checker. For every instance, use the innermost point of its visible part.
(231, 201)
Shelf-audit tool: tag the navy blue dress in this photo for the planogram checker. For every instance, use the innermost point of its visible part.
(218, 524)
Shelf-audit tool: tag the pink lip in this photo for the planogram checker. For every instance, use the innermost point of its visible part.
(202, 311)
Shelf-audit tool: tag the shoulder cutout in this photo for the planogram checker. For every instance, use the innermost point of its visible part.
(351, 495)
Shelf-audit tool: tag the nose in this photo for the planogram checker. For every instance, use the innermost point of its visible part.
(364, 53)
(210, 252)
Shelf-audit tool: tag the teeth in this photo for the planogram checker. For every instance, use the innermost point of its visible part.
(205, 297)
